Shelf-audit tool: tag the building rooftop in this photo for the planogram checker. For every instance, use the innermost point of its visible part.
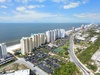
(20, 72)
(80, 38)
(93, 39)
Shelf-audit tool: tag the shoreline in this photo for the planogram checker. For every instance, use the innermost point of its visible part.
(16, 45)
(13, 42)
(13, 32)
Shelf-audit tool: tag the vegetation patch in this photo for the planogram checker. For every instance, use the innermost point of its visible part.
(67, 69)
(86, 55)
(62, 51)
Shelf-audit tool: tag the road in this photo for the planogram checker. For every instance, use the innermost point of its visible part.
(36, 69)
(30, 65)
(84, 70)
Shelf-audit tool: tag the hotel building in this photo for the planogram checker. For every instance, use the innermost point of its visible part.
(26, 45)
(3, 51)
(42, 38)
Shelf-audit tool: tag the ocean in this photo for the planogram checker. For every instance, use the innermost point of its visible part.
(11, 33)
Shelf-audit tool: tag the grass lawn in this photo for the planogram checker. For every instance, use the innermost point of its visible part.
(7, 64)
(62, 51)
(44, 50)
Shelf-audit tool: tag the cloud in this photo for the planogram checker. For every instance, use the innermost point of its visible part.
(5, 13)
(3, 6)
(71, 5)
(87, 15)
(39, 0)
(21, 8)
(26, 16)
(34, 6)
(85, 1)
(63, 1)
(67, 4)
(2, 1)
(23, 1)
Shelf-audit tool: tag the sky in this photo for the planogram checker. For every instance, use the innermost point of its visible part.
(49, 11)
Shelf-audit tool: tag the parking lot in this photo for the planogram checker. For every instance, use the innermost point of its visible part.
(7, 59)
(44, 61)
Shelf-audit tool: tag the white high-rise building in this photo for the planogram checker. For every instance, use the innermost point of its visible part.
(24, 45)
(63, 32)
(59, 33)
(33, 40)
(3, 51)
(73, 29)
(36, 38)
(82, 27)
(48, 36)
(55, 34)
(42, 38)
(39, 39)
(30, 44)
(52, 35)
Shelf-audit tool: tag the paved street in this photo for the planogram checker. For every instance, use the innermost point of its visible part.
(84, 70)
(36, 69)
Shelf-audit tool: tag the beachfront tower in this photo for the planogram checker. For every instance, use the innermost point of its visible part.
(30, 44)
(48, 36)
(3, 51)
(42, 38)
(26, 45)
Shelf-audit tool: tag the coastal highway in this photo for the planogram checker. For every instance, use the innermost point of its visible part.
(84, 70)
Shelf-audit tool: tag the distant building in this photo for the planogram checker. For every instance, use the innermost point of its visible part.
(52, 35)
(82, 27)
(21, 72)
(73, 29)
(62, 31)
(3, 51)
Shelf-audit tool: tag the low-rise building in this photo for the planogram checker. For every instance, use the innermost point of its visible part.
(21, 72)
(80, 38)
(93, 39)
